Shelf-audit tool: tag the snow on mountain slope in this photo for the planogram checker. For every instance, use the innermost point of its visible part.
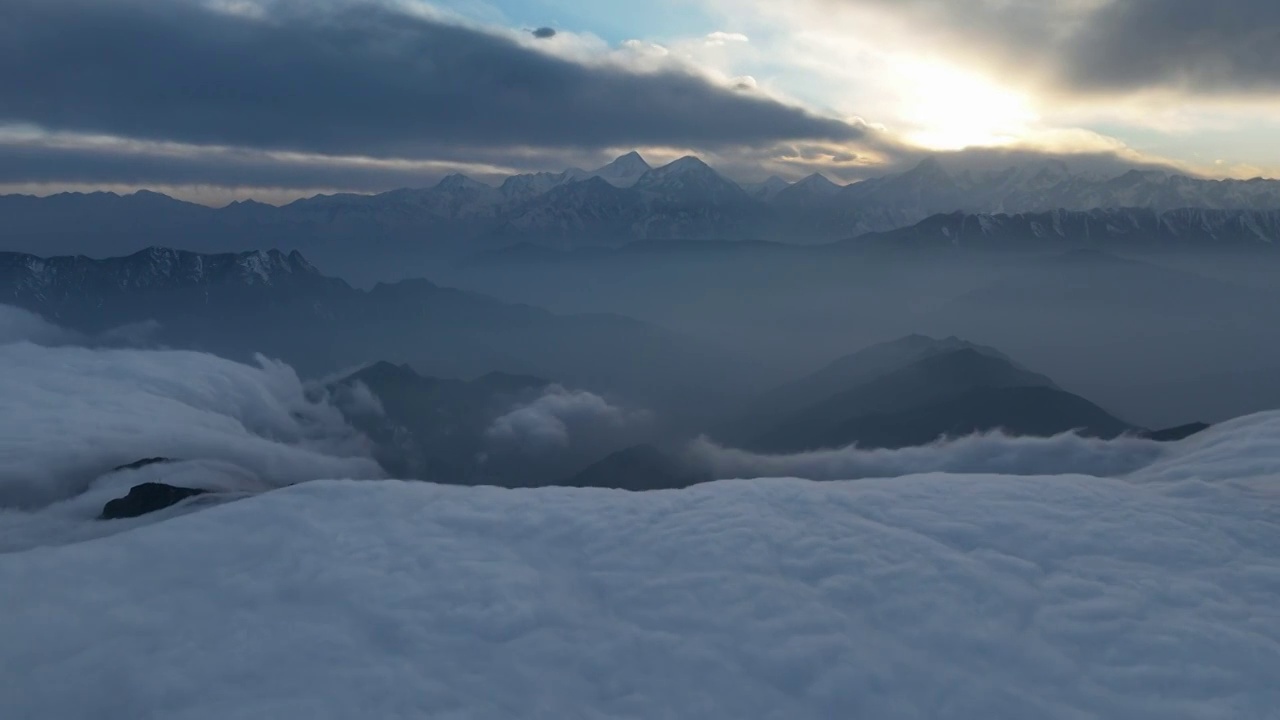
(151, 268)
(685, 199)
(766, 190)
(624, 171)
(932, 596)
(691, 181)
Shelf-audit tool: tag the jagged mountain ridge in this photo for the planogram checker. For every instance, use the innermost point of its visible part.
(1126, 226)
(154, 267)
(624, 201)
(236, 305)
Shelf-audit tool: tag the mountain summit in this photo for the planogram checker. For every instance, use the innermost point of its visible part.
(623, 171)
(690, 180)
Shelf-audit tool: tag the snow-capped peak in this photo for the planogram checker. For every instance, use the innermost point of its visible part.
(623, 171)
(458, 181)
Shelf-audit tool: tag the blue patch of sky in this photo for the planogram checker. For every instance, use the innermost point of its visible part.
(612, 20)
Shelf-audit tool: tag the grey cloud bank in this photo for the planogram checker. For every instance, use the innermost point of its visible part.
(348, 77)
(1113, 46)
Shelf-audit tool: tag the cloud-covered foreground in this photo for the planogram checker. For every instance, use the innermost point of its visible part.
(927, 596)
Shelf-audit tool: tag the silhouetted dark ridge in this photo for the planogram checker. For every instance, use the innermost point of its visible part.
(1023, 411)
(154, 267)
(430, 428)
(916, 389)
(637, 469)
(847, 373)
(1134, 227)
(1174, 434)
(146, 498)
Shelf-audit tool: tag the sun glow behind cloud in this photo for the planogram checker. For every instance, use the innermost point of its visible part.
(947, 108)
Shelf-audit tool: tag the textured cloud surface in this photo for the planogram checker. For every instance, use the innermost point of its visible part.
(934, 596)
(70, 415)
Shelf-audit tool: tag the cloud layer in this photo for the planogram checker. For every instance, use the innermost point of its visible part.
(981, 453)
(552, 420)
(1109, 46)
(72, 414)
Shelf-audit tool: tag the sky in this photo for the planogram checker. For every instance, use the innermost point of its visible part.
(217, 100)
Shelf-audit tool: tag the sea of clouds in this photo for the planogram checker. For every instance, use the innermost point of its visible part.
(76, 408)
(987, 577)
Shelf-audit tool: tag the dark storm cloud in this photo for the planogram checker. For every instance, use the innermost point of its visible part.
(350, 78)
(1203, 46)
(35, 163)
(544, 32)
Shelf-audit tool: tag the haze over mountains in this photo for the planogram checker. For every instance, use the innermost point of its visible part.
(369, 237)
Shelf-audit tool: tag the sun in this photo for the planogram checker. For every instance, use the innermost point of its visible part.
(947, 108)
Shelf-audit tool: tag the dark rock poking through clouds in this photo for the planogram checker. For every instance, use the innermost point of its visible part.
(409, 85)
(147, 498)
(543, 33)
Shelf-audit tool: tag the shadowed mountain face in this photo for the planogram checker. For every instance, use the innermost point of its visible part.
(425, 427)
(456, 432)
(1107, 228)
(850, 373)
(280, 306)
(914, 391)
(638, 468)
(1033, 411)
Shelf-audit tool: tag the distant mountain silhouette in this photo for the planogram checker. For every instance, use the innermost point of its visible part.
(638, 468)
(1033, 411)
(430, 428)
(844, 375)
(913, 391)
(1174, 434)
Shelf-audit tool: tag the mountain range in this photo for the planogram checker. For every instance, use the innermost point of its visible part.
(280, 305)
(628, 200)
(907, 392)
(913, 391)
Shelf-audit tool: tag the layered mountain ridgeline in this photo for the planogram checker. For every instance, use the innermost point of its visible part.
(377, 236)
(1131, 228)
(911, 392)
(279, 305)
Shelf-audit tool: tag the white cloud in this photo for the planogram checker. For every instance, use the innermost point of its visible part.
(71, 414)
(17, 325)
(358, 399)
(981, 453)
(722, 38)
(551, 420)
